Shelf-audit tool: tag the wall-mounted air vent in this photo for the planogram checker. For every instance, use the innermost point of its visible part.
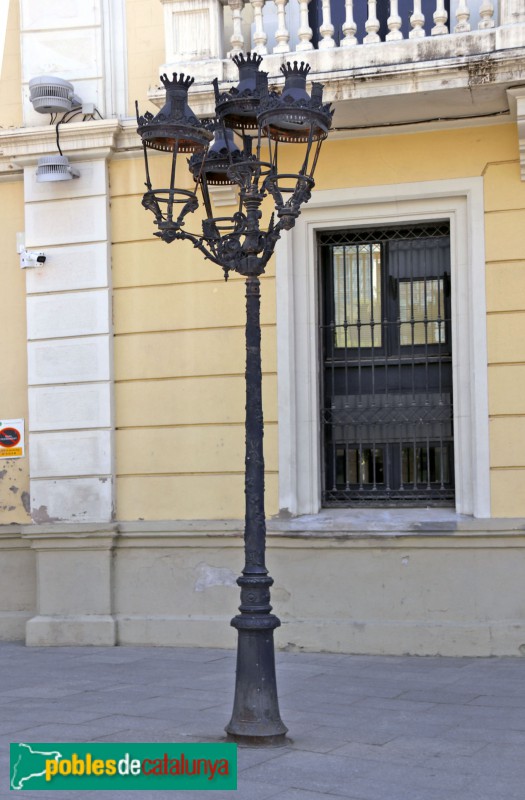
(52, 95)
(55, 168)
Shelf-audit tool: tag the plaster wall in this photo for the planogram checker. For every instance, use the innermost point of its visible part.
(14, 472)
(145, 51)
(179, 370)
(179, 330)
(17, 564)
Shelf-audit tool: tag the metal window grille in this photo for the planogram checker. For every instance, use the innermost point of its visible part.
(385, 337)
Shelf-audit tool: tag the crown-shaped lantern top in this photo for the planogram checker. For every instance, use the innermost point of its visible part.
(175, 127)
(238, 107)
(181, 82)
(295, 80)
(247, 59)
(295, 116)
(295, 69)
(248, 65)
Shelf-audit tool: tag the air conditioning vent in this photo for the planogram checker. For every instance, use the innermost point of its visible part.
(52, 95)
(55, 168)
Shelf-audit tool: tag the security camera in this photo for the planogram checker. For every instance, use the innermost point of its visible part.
(29, 259)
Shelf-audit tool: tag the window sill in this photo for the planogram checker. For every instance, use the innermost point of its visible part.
(392, 522)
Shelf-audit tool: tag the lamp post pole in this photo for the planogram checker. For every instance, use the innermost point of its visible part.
(257, 117)
(255, 714)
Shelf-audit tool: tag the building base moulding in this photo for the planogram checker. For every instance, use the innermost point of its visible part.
(81, 630)
(165, 631)
(13, 625)
(427, 587)
(433, 585)
(411, 637)
(74, 585)
(356, 637)
(17, 583)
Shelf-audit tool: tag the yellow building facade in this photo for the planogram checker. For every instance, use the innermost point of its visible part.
(124, 356)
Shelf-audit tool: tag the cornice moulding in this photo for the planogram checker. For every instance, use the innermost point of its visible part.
(412, 56)
(386, 84)
(129, 143)
(24, 146)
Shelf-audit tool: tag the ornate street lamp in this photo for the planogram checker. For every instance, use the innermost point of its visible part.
(240, 146)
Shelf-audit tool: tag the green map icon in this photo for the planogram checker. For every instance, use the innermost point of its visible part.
(29, 764)
(136, 766)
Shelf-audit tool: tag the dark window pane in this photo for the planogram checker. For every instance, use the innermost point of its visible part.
(359, 467)
(357, 295)
(425, 464)
(420, 312)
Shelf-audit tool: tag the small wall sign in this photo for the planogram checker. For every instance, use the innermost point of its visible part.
(12, 443)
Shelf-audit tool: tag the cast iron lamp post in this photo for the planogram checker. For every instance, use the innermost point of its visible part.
(240, 147)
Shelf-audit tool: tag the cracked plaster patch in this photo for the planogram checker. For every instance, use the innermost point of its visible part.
(208, 576)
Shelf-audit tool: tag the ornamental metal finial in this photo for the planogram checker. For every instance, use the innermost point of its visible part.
(241, 60)
(301, 69)
(178, 82)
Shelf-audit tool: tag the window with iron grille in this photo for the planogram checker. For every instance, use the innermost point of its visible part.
(387, 366)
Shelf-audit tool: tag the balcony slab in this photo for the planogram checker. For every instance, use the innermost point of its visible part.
(391, 83)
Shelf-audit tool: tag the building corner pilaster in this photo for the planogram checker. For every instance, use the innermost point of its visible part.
(75, 585)
(516, 99)
(70, 390)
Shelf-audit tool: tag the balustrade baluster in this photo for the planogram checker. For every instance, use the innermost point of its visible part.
(305, 32)
(372, 24)
(440, 18)
(486, 13)
(282, 35)
(417, 21)
(462, 16)
(394, 22)
(236, 39)
(327, 29)
(259, 36)
(349, 26)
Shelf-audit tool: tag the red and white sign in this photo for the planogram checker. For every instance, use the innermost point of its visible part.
(12, 438)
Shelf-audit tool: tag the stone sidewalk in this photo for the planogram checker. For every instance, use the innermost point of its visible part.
(361, 727)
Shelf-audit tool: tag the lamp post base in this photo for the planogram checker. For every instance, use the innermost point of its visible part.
(255, 718)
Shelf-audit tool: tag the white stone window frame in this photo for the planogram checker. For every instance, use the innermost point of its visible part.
(4, 13)
(460, 201)
(115, 57)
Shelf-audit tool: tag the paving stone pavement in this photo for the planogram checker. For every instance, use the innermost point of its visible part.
(361, 727)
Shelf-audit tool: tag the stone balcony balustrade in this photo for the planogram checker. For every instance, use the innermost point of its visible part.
(382, 63)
